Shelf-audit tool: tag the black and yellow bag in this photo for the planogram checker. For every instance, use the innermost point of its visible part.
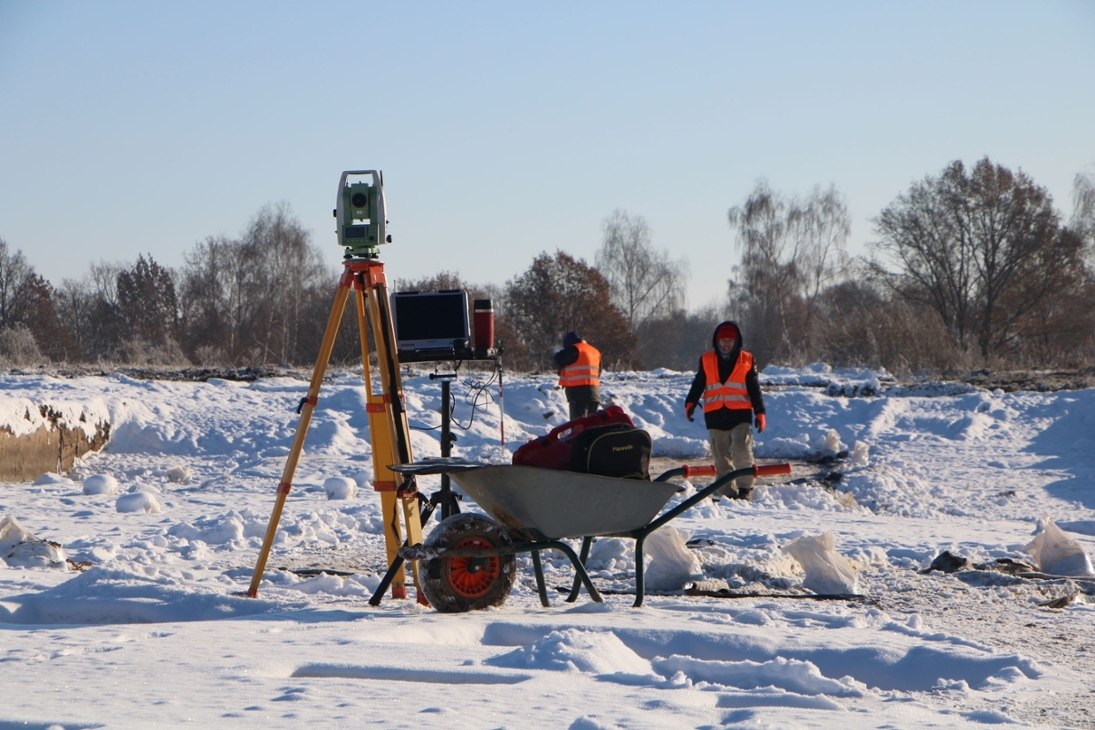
(615, 450)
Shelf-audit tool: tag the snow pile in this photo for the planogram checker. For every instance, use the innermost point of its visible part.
(600, 653)
(827, 571)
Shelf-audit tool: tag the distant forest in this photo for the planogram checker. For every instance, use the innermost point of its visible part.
(970, 268)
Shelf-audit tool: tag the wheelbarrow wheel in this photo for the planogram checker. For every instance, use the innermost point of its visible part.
(459, 584)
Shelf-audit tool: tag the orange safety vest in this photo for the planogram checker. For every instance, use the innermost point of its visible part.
(732, 393)
(586, 370)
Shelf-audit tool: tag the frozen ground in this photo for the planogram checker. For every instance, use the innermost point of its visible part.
(167, 522)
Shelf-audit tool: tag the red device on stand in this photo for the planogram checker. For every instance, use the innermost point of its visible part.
(483, 319)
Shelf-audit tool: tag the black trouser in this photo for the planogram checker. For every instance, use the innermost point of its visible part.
(583, 400)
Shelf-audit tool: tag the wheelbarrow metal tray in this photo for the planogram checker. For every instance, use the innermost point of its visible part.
(556, 504)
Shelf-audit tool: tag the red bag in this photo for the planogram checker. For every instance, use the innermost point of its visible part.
(554, 450)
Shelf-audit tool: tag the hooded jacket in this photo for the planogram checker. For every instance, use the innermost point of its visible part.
(725, 419)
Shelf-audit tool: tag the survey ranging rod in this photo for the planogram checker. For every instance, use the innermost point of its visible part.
(362, 228)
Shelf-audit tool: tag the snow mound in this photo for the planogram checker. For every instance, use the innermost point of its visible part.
(101, 484)
(138, 502)
(592, 652)
(49, 478)
(212, 531)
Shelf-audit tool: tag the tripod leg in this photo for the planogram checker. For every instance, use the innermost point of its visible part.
(398, 444)
(307, 406)
(388, 428)
(383, 478)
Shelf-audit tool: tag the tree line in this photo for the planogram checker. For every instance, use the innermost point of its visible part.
(972, 267)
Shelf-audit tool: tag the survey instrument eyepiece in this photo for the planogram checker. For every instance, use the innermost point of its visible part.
(361, 214)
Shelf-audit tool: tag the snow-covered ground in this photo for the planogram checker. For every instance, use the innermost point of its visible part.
(167, 523)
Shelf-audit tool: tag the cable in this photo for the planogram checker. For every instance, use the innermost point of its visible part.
(478, 397)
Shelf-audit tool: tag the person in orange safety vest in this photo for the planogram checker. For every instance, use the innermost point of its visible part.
(579, 365)
(732, 404)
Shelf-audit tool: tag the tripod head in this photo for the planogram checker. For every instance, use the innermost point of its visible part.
(361, 214)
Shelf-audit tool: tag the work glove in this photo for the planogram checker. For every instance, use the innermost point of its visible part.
(688, 408)
(760, 422)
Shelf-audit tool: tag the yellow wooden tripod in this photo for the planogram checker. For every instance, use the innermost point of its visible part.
(388, 429)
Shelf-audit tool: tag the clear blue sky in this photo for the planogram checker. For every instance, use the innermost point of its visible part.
(509, 128)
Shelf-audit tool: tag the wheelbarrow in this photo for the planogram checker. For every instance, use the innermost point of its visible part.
(469, 559)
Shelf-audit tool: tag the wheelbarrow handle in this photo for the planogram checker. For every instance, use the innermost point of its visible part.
(771, 470)
(687, 471)
(709, 470)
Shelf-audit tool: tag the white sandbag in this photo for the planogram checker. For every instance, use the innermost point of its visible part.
(101, 484)
(138, 501)
(12, 533)
(827, 571)
(178, 474)
(671, 564)
(1058, 554)
(340, 488)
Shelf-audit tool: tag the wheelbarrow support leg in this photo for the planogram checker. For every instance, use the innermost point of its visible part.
(582, 556)
(541, 587)
(578, 568)
(640, 583)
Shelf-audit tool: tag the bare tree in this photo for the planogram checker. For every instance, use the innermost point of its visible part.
(644, 281)
(289, 265)
(1082, 222)
(982, 249)
(791, 249)
(821, 226)
(14, 273)
(1083, 208)
(263, 297)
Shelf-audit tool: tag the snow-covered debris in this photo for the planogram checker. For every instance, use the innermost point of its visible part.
(19, 548)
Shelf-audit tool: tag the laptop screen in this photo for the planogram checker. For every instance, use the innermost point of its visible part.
(431, 320)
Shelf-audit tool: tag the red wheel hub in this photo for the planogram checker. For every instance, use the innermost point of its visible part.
(473, 577)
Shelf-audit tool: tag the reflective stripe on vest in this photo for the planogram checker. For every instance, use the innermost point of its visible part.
(732, 393)
(586, 370)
